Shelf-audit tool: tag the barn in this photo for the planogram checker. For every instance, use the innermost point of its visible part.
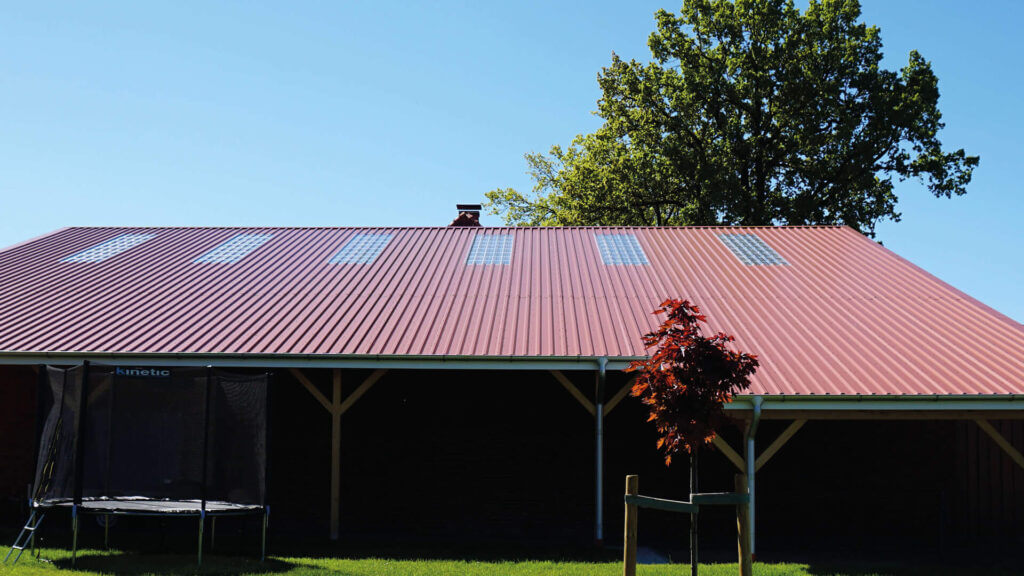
(466, 382)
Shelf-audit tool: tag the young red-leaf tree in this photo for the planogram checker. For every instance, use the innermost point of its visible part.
(688, 378)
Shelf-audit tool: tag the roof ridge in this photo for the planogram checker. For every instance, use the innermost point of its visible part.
(446, 227)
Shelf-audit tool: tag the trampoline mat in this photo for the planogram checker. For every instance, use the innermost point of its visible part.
(151, 507)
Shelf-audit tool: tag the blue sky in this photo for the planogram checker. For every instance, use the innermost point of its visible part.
(374, 113)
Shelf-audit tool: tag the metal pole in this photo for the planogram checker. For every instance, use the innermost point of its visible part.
(74, 534)
(106, 531)
(202, 519)
(79, 463)
(206, 448)
(602, 364)
(79, 460)
(263, 543)
(693, 515)
(266, 463)
(755, 419)
(206, 438)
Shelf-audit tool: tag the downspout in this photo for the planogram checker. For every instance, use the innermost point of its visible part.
(755, 419)
(602, 375)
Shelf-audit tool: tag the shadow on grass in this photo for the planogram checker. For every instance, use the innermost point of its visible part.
(142, 563)
(910, 569)
(441, 551)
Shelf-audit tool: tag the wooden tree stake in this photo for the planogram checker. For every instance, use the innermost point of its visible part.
(746, 560)
(629, 548)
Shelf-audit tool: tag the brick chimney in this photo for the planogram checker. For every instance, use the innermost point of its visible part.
(469, 215)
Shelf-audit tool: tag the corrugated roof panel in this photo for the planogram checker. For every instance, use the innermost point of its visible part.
(844, 317)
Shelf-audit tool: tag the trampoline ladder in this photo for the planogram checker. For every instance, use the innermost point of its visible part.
(27, 536)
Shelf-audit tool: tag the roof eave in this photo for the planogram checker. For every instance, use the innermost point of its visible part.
(351, 361)
(962, 404)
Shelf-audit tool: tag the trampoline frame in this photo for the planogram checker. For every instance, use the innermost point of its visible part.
(113, 507)
(80, 506)
(77, 510)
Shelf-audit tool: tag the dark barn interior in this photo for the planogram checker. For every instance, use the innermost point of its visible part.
(507, 458)
(497, 456)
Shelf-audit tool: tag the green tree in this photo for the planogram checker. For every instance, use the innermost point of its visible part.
(752, 113)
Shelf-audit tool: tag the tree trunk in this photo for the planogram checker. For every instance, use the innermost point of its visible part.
(693, 517)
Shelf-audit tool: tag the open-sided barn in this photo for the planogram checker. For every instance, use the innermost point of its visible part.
(470, 378)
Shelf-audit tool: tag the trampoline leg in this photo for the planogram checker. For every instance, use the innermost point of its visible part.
(263, 542)
(106, 532)
(202, 521)
(213, 532)
(74, 535)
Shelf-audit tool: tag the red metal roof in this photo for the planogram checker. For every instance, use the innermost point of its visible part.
(846, 316)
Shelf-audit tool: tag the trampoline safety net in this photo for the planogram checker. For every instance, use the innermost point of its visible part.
(152, 437)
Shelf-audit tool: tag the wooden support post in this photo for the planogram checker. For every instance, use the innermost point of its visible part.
(312, 389)
(336, 407)
(358, 392)
(746, 560)
(729, 453)
(1003, 443)
(619, 396)
(630, 534)
(572, 389)
(335, 454)
(778, 443)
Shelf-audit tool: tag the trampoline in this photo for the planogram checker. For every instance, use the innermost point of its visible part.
(139, 506)
(145, 441)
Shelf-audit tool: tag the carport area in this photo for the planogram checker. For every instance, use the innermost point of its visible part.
(928, 472)
(535, 452)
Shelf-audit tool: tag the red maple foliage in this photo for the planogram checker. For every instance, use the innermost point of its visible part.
(688, 378)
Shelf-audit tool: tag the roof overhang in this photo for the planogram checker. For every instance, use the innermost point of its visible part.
(824, 407)
(879, 407)
(350, 361)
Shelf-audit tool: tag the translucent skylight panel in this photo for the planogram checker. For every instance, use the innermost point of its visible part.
(621, 250)
(751, 250)
(235, 249)
(490, 249)
(361, 249)
(111, 247)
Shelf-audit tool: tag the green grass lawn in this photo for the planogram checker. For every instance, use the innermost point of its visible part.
(93, 562)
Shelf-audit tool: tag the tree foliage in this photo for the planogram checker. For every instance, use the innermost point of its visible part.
(688, 378)
(752, 113)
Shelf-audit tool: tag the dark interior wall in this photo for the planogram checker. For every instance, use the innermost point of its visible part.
(17, 437)
(856, 485)
(438, 455)
(491, 456)
(989, 509)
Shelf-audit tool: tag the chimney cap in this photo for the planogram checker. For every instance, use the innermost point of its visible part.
(469, 215)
